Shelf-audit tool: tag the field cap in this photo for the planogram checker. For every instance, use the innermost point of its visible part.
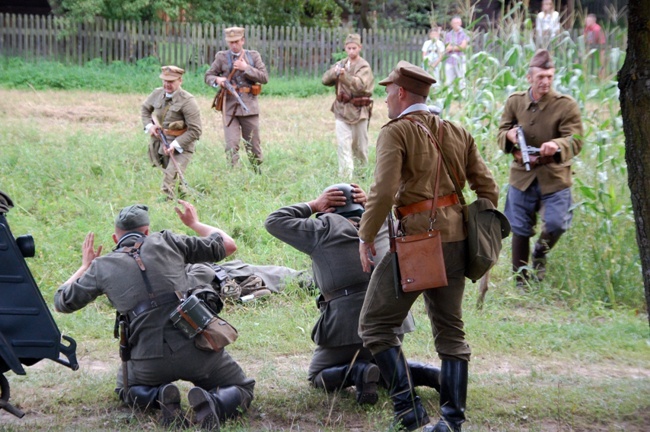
(353, 38)
(171, 73)
(132, 217)
(350, 208)
(542, 59)
(233, 33)
(412, 78)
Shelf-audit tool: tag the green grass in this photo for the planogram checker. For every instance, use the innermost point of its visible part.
(573, 354)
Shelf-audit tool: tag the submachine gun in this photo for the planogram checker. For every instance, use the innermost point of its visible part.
(28, 332)
(526, 150)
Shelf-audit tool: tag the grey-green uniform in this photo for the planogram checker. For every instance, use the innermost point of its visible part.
(160, 353)
(180, 118)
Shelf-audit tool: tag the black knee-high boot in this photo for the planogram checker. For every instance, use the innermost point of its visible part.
(408, 409)
(520, 252)
(544, 244)
(453, 395)
(216, 406)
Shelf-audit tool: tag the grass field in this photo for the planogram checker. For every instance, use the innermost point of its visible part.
(571, 355)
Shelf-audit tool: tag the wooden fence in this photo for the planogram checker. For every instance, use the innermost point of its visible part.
(286, 51)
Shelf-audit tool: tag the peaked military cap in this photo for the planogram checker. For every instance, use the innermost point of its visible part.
(171, 73)
(233, 33)
(412, 78)
(132, 217)
(353, 38)
(542, 59)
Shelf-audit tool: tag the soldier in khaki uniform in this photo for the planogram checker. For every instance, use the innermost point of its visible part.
(352, 107)
(405, 174)
(551, 122)
(160, 352)
(178, 117)
(249, 72)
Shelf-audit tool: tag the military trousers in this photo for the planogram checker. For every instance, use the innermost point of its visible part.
(327, 357)
(170, 173)
(382, 311)
(246, 128)
(352, 142)
(205, 369)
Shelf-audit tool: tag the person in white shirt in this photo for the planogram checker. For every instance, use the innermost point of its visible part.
(547, 24)
(433, 50)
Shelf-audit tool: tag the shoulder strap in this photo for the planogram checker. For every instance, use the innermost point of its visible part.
(450, 170)
(134, 252)
(434, 207)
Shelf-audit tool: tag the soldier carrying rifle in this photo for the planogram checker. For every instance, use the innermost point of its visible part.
(242, 71)
(540, 183)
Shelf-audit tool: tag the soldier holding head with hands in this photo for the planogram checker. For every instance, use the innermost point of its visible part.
(331, 241)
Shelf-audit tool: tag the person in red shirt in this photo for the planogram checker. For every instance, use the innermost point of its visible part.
(595, 39)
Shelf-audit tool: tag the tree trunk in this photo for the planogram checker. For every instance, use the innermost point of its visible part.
(634, 84)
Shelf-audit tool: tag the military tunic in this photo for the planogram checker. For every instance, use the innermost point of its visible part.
(244, 125)
(160, 353)
(405, 174)
(179, 113)
(351, 120)
(332, 243)
(556, 117)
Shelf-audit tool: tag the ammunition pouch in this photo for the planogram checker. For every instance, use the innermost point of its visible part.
(361, 101)
(254, 89)
(174, 132)
(217, 102)
(343, 97)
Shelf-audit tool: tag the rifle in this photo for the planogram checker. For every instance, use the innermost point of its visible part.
(163, 138)
(393, 255)
(526, 150)
(228, 86)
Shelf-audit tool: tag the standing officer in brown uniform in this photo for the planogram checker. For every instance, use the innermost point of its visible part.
(405, 174)
(177, 117)
(352, 107)
(249, 72)
(551, 122)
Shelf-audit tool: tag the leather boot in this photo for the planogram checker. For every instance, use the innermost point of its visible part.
(331, 379)
(408, 410)
(216, 406)
(169, 399)
(365, 377)
(453, 394)
(544, 244)
(425, 375)
(520, 252)
(141, 396)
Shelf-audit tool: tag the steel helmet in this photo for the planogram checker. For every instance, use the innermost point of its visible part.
(350, 208)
